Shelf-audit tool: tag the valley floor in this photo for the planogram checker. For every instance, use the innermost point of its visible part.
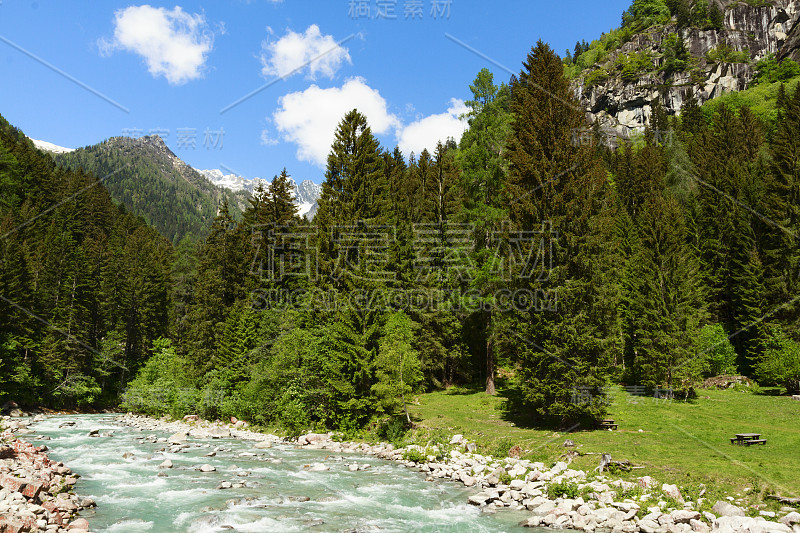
(677, 442)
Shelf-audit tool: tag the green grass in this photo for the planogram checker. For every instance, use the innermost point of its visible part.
(685, 443)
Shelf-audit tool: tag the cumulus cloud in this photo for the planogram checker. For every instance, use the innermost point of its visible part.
(173, 43)
(427, 131)
(295, 52)
(309, 118)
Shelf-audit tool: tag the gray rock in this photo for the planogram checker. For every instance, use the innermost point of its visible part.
(207, 468)
(672, 491)
(684, 517)
(219, 433)
(166, 464)
(737, 524)
(178, 438)
(791, 518)
(479, 499)
(494, 477)
(722, 508)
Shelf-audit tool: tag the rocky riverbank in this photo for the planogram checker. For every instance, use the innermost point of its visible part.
(556, 496)
(35, 492)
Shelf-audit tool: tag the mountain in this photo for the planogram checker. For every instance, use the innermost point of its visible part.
(306, 193)
(50, 147)
(694, 47)
(146, 177)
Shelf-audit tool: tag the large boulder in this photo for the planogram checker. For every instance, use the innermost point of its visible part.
(672, 491)
(219, 433)
(746, 524)
(791, 518)
(178, 438)
(722, 508)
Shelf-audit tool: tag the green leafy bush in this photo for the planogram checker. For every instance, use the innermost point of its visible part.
(645, 13)
(780, 362)
(415, 455)
(563, 489)
(596, 77)
(726, 54)
(769, 70)
(634, 64)
(714, 347)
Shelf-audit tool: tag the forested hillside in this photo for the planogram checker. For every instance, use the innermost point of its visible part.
(84, 285)
(151, 181)
(529, 246)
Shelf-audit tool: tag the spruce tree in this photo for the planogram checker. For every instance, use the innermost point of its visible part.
(566, 187)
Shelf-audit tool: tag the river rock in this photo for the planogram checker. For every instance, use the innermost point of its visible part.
(722, 508)
(494, 477)
(207, 468)
(79, 524)
(166, 464)
(318, 467)
(178, 438)
(225, 485)
(219, 433)
(262, 445)
(672, 491)
(737, 524)
(312, 438)
(683, 516)
(791, 518)
(479, 499)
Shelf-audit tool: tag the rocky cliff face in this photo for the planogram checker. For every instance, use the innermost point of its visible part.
(623, 108)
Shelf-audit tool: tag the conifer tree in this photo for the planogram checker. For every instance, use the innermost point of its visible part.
(555, 182)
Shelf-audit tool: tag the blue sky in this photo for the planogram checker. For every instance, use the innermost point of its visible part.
(176, 69)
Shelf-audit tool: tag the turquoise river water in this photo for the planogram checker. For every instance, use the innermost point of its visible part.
(131, 497)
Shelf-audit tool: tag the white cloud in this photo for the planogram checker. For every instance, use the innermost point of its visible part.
(309, 118)
(174, 44)
(267, 139)
(295, 52)
(427, 131)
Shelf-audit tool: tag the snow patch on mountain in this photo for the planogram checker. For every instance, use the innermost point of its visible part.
(306, 193)
(50, 147)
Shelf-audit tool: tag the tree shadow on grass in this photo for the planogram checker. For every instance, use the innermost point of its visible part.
(465, 390)
(773, 391)
(514, 410)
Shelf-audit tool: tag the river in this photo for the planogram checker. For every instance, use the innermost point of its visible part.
(280, 494)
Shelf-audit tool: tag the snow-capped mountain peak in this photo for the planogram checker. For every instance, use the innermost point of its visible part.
(50, 147)
(306, 193)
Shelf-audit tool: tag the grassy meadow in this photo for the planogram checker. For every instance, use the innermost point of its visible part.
(674, 441)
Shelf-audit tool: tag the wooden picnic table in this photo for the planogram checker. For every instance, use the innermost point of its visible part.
(747, 439)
